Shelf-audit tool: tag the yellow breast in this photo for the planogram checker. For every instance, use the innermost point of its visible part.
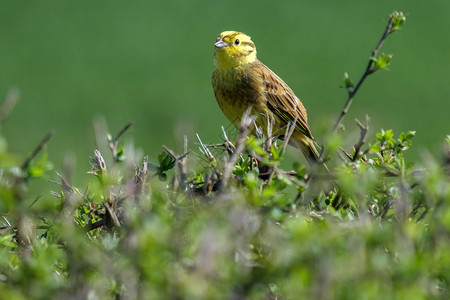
(235, 92)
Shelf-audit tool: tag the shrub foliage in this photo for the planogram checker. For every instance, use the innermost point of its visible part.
(230, 220)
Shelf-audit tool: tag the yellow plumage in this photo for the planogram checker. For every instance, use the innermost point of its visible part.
(240, 80)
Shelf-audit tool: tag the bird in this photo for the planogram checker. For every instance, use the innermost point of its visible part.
(240, 81)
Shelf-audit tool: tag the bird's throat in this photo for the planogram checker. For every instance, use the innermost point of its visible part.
(224, 59)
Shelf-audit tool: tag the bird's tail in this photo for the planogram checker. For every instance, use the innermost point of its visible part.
(312, 155)
(310, 152)
(308, 148)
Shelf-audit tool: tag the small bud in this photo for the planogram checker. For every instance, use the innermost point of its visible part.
(398, 19)
(349, 85)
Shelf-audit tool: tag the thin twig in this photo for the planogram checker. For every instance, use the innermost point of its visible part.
(171, 153)
(347, 155)
(94, 225)
(115, 142)
(204, 149)
(35, 200)
(369, 70)
(180, 161)
(227, 144)
(245, 128)
(111, 212)
(36, 151)
(362, 138)
(289, 130)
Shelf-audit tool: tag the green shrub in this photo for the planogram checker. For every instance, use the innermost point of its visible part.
(230, 222)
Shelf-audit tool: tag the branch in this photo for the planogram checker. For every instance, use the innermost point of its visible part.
(371, 66)
(114, 143)
(362, 138)
(36, 151)
(95, 225)
(180, 161)
(245, 128)
(204, 150)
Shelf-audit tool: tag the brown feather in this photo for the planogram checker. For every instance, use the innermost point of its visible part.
(281, 100)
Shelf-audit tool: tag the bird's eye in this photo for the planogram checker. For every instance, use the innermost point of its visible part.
(237, 41)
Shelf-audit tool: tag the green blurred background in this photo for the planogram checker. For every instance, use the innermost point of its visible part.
(150, 63)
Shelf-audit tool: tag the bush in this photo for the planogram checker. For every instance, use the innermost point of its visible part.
(239, 226)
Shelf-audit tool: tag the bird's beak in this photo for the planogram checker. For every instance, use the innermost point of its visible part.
(220, 44)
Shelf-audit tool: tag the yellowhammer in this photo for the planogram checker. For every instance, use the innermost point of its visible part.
(241, 81)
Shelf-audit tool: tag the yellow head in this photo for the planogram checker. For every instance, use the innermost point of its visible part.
(233, 49)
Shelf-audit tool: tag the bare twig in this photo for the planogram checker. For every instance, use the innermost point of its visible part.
(227, 144)
(204, 150)
(362, 138)
(245, 128)
(345, 155)
(180, 161)
(98, 164)
(112, 213)
(171, 153)
(289, 130)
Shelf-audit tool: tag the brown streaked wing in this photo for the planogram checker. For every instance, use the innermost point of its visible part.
(282, 101)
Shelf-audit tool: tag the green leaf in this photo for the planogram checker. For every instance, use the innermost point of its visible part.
(389, 134)
(382, 61)
(39, 166)
(375, 148)
(256, 145)
(166, 162)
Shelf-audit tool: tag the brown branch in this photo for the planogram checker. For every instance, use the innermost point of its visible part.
(95, 225)
(227, 144)
(362, 138)
(180, 161)
(347, 155)
(112, 214)
(176, 157)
